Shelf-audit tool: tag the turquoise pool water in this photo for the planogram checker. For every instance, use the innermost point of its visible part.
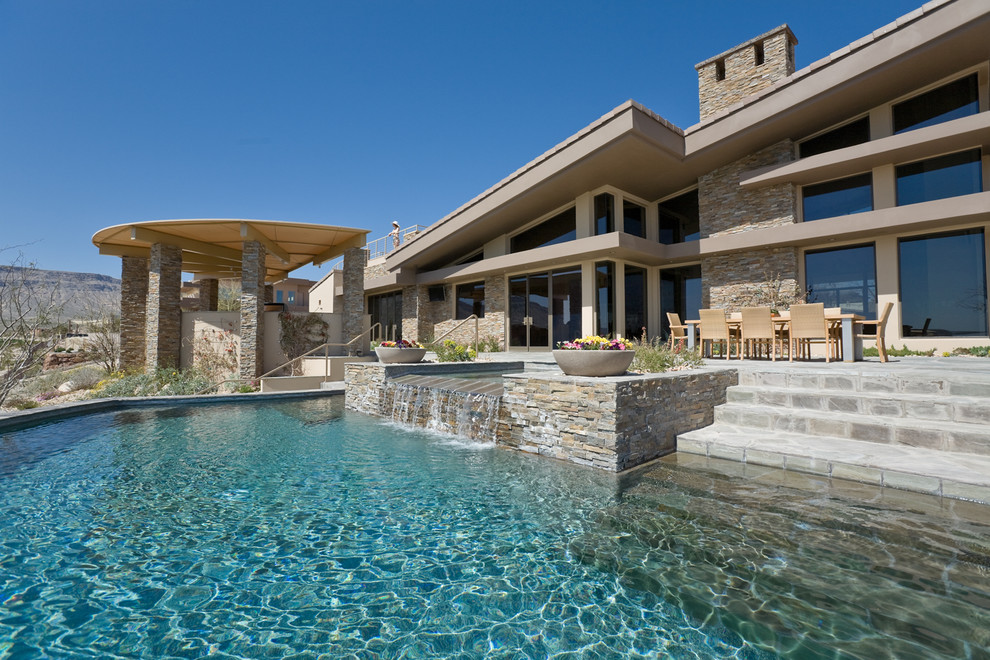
(297, 530)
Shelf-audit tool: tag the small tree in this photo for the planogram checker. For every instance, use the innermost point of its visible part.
(229, 296)
(29, 315)
(103, 322)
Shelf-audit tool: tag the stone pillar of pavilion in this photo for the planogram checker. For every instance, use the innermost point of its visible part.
(164, 314)
(133, 311)
(252, 356)
(209, 294)
(269, 293)
(353, 281)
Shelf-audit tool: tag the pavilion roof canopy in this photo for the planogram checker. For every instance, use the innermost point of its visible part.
(212, 247)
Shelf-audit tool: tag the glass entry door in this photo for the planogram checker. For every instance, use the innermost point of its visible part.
(544, 305)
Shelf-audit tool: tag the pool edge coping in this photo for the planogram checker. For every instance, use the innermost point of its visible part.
(21, 418)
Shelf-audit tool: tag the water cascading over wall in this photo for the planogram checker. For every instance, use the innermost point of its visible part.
(467, 414)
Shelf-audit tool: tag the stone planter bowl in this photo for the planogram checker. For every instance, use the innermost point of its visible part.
(393, 355)
(594, 363)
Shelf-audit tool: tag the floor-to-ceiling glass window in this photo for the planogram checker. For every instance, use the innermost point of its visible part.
(470, 299)
(604, 214)
(679, 219)
(680, 293)
(565, 287)
(542, 305)
(633, 219)
(938, 178)
(605, 299)
(844, 277)
(635, 297)
(386, 309)
(558, 229)
(943, 285)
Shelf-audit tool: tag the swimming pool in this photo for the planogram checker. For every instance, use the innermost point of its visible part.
(298, 530)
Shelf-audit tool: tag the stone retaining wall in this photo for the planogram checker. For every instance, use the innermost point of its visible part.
(608, 423)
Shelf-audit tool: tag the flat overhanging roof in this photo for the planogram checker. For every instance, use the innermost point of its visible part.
(212, 247)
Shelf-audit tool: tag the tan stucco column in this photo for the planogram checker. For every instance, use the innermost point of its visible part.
(209, 294)
(353, 321)
(252, 355)
(164, 314)
(133, 311)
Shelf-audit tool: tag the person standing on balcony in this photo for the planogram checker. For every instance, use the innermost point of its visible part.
(395, 234)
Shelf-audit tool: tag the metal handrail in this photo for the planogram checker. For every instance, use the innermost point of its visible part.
(326, 364)
(473, 317)
(380, 247)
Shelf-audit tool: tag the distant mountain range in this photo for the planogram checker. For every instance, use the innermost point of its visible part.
(77, 291)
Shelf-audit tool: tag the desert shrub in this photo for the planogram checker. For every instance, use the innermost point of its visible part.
(450, 351)
(215, 354)
(22, 404)
(653, 356)
(489, 344)
(976, 351)
(161, 382)
(893, 351)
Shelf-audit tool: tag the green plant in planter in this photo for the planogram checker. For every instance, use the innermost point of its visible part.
(450, 351)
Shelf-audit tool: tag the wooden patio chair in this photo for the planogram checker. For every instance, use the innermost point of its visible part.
(835, 327)
(757, 331)
(880, 323)
(715, 330)
(678, 331)
(808, 325)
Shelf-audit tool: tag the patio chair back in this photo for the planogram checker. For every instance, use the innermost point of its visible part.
(808, 322)
(757, 323)
(713, 325)
(677, 329)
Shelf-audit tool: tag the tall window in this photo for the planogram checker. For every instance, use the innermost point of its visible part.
(278, 296)
(679, 219)
(387, 310)
(847, 135)
(634, 219)
(605, 298)
(635, 281)
(604, 214)
(957, 99)
(844, 277)
(680, 293)
(853, 194)
(470, 300)
(558, 229)
(938, 178)
(943, 281)
(566, 304)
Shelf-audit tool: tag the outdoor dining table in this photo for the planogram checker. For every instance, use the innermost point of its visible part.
(852, 346)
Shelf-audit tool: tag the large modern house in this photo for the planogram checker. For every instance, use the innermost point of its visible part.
(859, 180)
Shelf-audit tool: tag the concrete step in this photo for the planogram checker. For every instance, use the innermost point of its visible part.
(948, 474)
(871, 378)
(935, 434)
(961, 409)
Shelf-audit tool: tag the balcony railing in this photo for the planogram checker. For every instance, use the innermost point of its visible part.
(381, 247)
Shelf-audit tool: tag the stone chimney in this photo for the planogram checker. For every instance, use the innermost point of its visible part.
(731, 76)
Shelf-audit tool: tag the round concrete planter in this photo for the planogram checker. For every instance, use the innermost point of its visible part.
(594, 363)
(392, 355)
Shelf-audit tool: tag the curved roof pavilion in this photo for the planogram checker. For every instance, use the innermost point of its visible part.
(212, 248)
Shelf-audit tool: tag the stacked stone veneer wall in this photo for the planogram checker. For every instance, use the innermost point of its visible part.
(608, 423)
(133, 311)
(732, 280)
(252, 351)
(164, 311)
(353, 284)
(743, 76)
(491, 325)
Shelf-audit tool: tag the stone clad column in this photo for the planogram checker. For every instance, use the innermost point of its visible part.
(410, 313)
(269, 293)
(164, 314)
(353, 321)
(252, 357)
(133, 311)
(209, 294)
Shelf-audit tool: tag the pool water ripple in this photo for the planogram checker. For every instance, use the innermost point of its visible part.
(298, 530)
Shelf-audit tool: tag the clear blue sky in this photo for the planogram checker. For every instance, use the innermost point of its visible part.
(345, 113)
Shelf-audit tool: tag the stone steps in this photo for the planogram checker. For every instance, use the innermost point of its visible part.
(948, 474)
(883, 429)
(926, 430)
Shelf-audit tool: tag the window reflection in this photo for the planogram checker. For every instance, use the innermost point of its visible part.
(470, 300)
(604, 214)
(844, 277)
(680, 293)
(634, 219)
(635, 281)
(558, 229)
(679, 219)
(605, 298)
(957, 99)
(853, 194)
(943, 285)
(938, 178)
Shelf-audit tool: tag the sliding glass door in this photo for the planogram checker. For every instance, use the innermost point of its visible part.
(544, 305)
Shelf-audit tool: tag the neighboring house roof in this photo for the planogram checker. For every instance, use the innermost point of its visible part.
(212, 247)
(640, 152)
